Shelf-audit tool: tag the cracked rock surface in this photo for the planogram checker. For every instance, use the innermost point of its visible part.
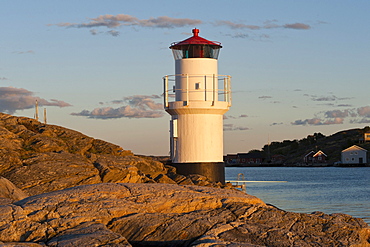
(39, 158)
(137, 214)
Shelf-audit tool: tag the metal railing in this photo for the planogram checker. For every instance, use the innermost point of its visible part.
(220, 86)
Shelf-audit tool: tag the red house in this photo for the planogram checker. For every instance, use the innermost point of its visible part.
(278, 159)
(231, 158)
(318, 157)
(249, 158)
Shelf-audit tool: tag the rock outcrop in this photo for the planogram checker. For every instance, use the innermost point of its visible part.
(9, 192)
(115, 214)
(59, 187)
(40, 158)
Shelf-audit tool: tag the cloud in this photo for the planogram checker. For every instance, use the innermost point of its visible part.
(144, 101)
(114, 21)
(273, 124)
(312, 121)
(300, 26)
(234, 25)
(337, 113)
(337, 120)
(264, 97)
(121, 112)
(253, 37)
(355, 115)
(94, 31)
(231, 127)
(3, 79)
(266, 25)
(232, 117)
(113, 33)
(24, 52)
(328, 98)
(239, 35)
(361, 121)
(137, 106)
(318, 121)
(364, 111)
(13, 99)
(324, 98)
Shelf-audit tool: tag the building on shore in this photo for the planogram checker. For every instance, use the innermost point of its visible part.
(354, 155)
(315, 157)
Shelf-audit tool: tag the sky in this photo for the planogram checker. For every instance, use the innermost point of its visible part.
(298, 67)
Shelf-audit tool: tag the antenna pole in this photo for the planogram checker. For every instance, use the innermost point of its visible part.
(45, 116)
(37, 111)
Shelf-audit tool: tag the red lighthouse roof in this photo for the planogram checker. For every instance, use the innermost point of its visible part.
(196, 47)
(195, 40)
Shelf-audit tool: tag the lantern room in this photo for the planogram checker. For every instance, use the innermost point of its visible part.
(195, 47)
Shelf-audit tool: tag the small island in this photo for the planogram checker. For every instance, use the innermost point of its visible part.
(347, 148)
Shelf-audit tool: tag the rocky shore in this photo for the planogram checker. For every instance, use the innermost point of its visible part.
(59, 187)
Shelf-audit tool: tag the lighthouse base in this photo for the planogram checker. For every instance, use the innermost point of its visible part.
(214, 171)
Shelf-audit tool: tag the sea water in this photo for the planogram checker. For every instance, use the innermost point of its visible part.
(308, 189)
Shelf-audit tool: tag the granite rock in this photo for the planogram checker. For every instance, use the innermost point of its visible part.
(10, 191)
(169, 215)
(87, 192)
(40, 158)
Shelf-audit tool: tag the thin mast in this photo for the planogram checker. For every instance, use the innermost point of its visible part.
(37, 111)
(45, 116)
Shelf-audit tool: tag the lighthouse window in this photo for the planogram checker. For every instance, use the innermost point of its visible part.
(197, 85)
(196, 51)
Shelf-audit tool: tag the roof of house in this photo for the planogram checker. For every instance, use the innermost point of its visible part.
(318, 153)
(250, 155)
(311, 152)
(231, 156)
(353, 148)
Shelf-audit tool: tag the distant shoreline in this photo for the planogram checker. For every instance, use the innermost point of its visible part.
(297, 165)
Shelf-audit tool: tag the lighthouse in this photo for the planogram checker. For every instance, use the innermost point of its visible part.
(197, 97)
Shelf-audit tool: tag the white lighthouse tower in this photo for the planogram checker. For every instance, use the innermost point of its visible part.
(196, 97)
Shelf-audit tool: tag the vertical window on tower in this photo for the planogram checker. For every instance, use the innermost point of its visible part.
(197, 85)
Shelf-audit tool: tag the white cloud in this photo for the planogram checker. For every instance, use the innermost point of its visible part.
(24, 52)
(364, 111)
(300, 26)
(318, 121)
(265, 97)
(355, 115)
(13, 99)
(232, 127)
(114, 21)
(138, 106)
(234, 25)
(337, 113)
(113, 33)
(327, 98)
(120, 112)
(266, 25)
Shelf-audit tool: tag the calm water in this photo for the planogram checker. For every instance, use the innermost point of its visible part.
(326, 189)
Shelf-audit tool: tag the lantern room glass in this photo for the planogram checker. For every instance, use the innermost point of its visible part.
(195, 51)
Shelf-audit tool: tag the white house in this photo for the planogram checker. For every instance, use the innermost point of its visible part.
(354, 155)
